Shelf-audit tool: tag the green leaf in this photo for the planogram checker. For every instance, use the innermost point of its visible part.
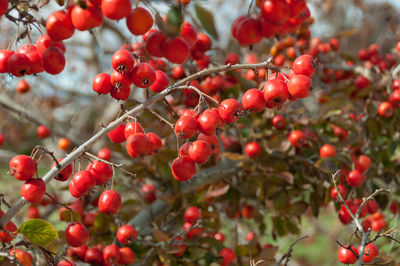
(206, 19)
(38, 231)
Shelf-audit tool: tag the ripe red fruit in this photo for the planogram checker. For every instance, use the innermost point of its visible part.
(86, 19)
(18, 64)
(94, 256)
(253, 149)
(155, 143)
(275, 93)
(4, 56)
(192, 214)
(139, 21)
(370, 252)
(297, 138)
(104, 154)
(132, 128)
(33, 212)
(343, 192)
(23, 86)
(33, 190)
(65, 173)
(191, 233)
(209, 121)
(220, 237)
(66, 263)
(327, 150)
(189, 33)
(137, 145)
(10, 227)
(83, 181)
(160, 83)
(276, 11)
(347, 256)
(385, 109)
(3, 7)
(102, 172)
(115, 9)
(394, 98)
(33, 55)
(77, 252)
(183, 168)
(42, 131)
(53, 60)
(24, 258)
(76, 234)
(363, 163)
(22, 167)
(361, 82)
(279, 122)
(355, 178)
(199, 151)
(149, 192)
(126, 234)
(184, 149)
(373, 206)
(154, 43)
(227, 255)
(304, 65)
(117, 135)
(232, 59)
(143, 75)
(109, 202)
(127, 256)
(122, 61)
(229, 110)
(299, 86)
(102, 83)
(248, 31)
(59, 26)
(111, 254)
(176, 50)
(253, 100)
(186, 127)
(378, 223)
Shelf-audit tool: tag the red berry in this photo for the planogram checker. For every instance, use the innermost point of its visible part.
(86, 19)
(299, 86)
(176, 50)
(253, 100)
(361, 82)
(132, 128)
(192, 214)
(227, 255)
(111, 254)
(229, 110)
(154, 43)
(370, 252)
(22, 167)
(186, 127)
(363, 163)
(101, 171)
(104, 154)
(334, 192)
(304, 65)
(327, 150)
(199, 151)
(65, 173)
(102, 83)
(297, 138)
(160, 83)
(279, 122)
(253, 149)
(109, 202)
(122, 61)
(355, 178)
(4, 56)
(126, 234)
(155, 142)
(209, 121)
(94, 256)
(59, 26)
(149, 193)
(183, 168)
(275, 93)
(143, 75)
(189, 33)
(372, 206)
(43, 132)
(53, 60)
(44, 42)
(249, 31)
(138, 145)
(3, 7)
(127, 256)
(115, 9)
(385, 109)
(66, 263)
(139, 21)
(347, 256)
(191, 233)
(76, 234)
(83, 181)
(18, 64)
(33, 190)
(276, 11)
(117, 135)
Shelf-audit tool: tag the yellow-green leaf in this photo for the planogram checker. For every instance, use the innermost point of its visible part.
(38, 231)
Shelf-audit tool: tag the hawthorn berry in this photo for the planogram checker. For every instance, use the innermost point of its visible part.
(127, 255)
(229, 110)
(76, 234)
(101, 171)
(59, 25)
(22, 167)
(327, 150)
(253, 149)
(138, 145)
(132, 128)
(139, 21)
(143, 75)
(347, 256)
(117, 135)
(199, 151)
(122, 61)
(355, 178)
(304, 65)
(183, 168)
(115, 9)
(160, 83)
(209, 121)
(253, 100)
(126, 234)
(275, 93)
